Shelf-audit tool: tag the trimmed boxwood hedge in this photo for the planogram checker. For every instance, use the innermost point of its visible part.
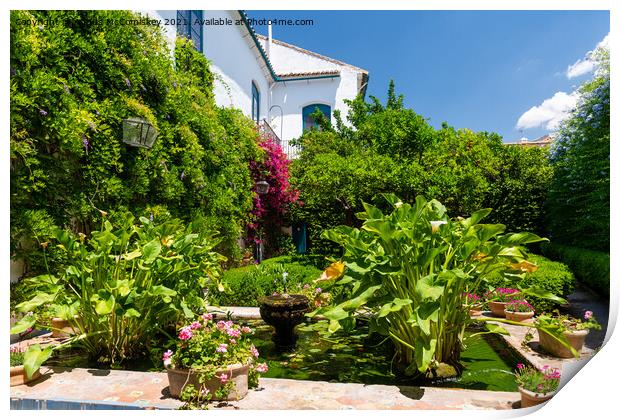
(245, 285)
(590, 267)
(552, 276)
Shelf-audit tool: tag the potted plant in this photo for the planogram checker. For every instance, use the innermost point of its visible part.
(570, 333)
(19, 374)
(212, 361)
(519, 311)
(474, 303)
(498, 299)
(536, 386)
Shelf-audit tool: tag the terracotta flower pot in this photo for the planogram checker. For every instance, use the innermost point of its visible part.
(530, 399)
(19, 377)
(238, 374)
(498, 308)
(519, 316)
(62, 328)
(575, 338)
(475, 310)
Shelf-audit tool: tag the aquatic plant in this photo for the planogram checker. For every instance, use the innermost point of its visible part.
(409, 271)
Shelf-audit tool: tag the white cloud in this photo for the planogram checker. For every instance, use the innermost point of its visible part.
(585, 65)
(550, 113)
(579, 68)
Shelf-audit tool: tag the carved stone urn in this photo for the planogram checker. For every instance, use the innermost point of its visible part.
(284, 312)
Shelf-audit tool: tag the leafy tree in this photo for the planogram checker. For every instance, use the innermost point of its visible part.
(579, 194)
(72, 84)
(393, 149)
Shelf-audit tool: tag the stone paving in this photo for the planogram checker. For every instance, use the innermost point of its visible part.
(91, 388)
(108, 389)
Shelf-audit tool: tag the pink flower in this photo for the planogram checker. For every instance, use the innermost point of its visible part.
(233, 341)
(318, 290)
(262, 367)
(588, 315)
(185, 333)
(520, 365)
(222, 348)
(223, 378)
(246, 330)
(221, 325)
(207, 317)
(253, 351)
(306, 286)
(195, 325)
(167, 355)
(233, 333)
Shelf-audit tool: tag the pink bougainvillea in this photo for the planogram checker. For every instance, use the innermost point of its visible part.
(269, 209)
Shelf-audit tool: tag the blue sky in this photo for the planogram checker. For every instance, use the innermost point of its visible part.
(474, 69)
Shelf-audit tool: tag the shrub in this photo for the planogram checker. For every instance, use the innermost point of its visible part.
(550, 276)
(270, 210)
(245, 285)
(578, 206)
(126, 283)
(72, 84)
(390, 149)
(590, 267)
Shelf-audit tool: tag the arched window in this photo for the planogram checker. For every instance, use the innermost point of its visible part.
(255, 103)
(308, 121)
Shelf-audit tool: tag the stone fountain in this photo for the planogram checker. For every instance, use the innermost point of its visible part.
(284, 312)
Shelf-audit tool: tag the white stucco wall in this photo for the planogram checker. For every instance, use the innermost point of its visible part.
(236, 62)
(229, 48)
(294, 96)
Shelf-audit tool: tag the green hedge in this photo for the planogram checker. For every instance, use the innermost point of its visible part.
(590, 267)
(551, 276)
(245, 285)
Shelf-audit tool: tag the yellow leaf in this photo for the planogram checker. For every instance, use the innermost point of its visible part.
(333, 272)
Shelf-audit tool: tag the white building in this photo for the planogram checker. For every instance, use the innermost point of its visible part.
(277, 84)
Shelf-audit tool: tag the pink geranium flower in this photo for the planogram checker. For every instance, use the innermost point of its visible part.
(222, 348)
(233, 333)
(588, 315)
(195, 325)
(223, 378)
(185, 333)
(262, 367)
(253, 351)
(246, 330)
(207, 317)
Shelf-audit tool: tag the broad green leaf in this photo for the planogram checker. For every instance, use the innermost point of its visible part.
(424, 352)
(39, 300)
(394, 306)
(151, 250)
(543, 294)
(521, 238)
(188, 313)
(161, 290)
(104, 305)
(131, 255)
(336, 313)
(361, 299)
(34, 357)
(132, 313)
(23, 324)
(494, 328)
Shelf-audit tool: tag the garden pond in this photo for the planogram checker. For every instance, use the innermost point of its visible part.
(488, 362)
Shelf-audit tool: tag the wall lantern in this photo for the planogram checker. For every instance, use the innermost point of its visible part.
(138, 132)
(262, 187)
